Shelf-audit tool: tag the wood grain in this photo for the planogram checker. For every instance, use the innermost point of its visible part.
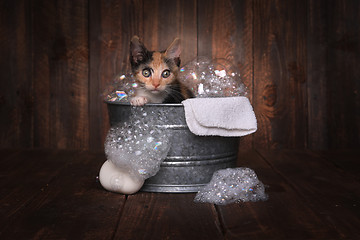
(299, 60)
(53, 194)
(317, 75)
(166, 20)
(343, 60)
(346, 160)
(67, 202)
(16, 103)
(322, 186)
(225, 31)
(217, 29)
(280, 74)
(19, 186)
(271, 219)
(113, 23)
(60, 74)
(167, 216)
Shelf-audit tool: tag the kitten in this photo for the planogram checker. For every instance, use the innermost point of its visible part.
(156, 74)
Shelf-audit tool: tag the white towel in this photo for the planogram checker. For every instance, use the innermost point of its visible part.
(228, 116)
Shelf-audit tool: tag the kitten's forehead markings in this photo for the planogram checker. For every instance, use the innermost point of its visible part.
(158, 63)
(157, 59)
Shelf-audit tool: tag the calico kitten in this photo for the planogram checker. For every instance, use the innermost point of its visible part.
(156, 74)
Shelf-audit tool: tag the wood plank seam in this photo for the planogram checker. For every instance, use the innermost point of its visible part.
(277, 172)
(328, 161)
(120, 214)
(35, 195)
(325, 213)
(219, 220)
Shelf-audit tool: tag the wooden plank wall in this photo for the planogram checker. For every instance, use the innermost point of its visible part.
(299, 60)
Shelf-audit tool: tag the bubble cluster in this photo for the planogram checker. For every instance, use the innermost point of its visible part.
(232, 185)
(138, 145)
(121, 89)
(212, 78)
(203, 76)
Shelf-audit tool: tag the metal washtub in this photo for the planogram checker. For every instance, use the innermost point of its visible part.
(191, 160)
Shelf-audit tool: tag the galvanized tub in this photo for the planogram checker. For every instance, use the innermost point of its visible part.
(191, 160)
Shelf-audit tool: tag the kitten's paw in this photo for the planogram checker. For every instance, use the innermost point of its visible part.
(138, 101)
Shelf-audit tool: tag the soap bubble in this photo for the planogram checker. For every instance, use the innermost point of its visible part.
(232, 185)
(138, 145)
(121, 89)
(203, 76)
(212, 78)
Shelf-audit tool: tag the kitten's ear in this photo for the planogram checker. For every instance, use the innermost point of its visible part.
(137, 50)
(173, 51)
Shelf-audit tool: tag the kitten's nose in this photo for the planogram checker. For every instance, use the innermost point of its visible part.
(156, 85)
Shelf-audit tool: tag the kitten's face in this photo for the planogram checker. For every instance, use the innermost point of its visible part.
(154, 71)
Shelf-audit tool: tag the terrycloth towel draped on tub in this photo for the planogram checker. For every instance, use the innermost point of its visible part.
(227, 117)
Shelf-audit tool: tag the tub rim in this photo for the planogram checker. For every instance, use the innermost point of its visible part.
(148, 104)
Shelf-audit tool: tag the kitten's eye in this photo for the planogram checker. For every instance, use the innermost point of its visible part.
(165, 74)
(146, 73)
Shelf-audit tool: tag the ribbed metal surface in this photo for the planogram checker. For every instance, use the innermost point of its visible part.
(191, 160)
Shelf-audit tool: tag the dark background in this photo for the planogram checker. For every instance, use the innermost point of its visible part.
(299, 59)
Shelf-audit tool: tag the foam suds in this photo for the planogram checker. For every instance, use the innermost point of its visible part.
(232, 185)
(212, 78)
(138, 145)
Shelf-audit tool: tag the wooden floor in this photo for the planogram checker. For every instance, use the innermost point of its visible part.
(55, 195)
